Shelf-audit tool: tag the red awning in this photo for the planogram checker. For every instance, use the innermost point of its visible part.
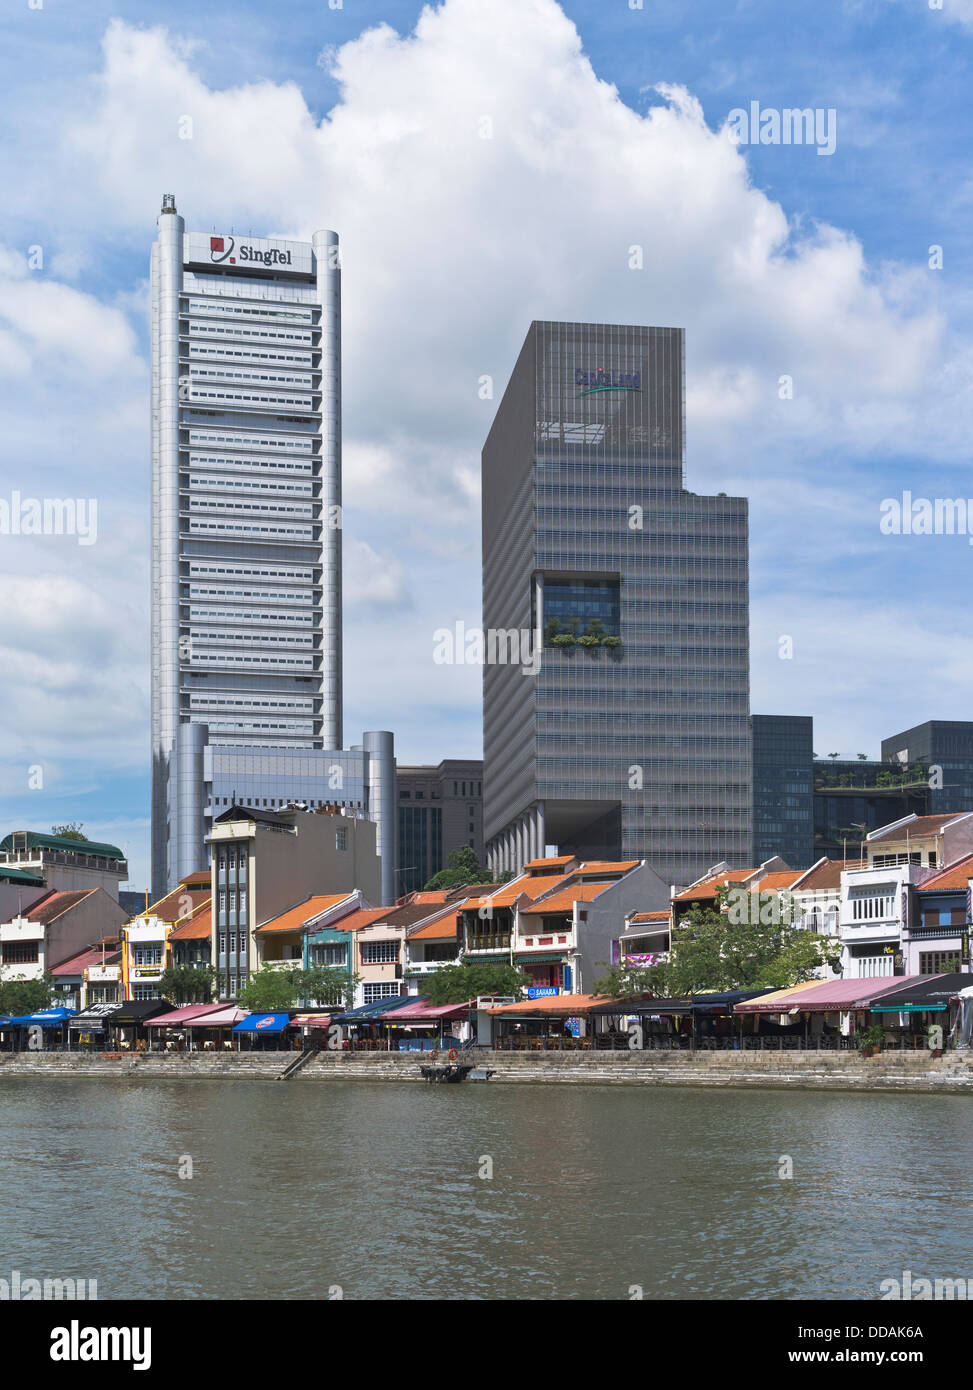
(310, 1021)
(428, 1013)
(180, 1017)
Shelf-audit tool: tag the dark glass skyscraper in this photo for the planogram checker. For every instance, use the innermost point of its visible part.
(783, 789)
(627, 735)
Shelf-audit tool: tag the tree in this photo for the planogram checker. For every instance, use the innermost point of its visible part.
(187, 984)
(455, 984)
(327, 984)
(463, 867)
(632, 981)
(20, 996)
(73, 830)
(269, 990)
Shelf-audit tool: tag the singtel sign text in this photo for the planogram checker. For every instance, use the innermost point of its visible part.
(223, 250)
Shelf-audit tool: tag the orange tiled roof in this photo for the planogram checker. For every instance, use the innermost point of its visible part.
(508, 893)
(710, 886)
(195, 928)
(954, 877)
(607, 866)
(426, 895)
(551, 863)
(172, 908)
(443, 929)
(662, 916)
(295, 917)
(564, 900)
(777, 881)
(361, 917)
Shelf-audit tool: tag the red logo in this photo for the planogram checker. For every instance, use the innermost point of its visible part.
(216, 243)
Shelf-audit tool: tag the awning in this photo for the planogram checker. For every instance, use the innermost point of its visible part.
(829, 996)
(725, 1002)
(46, 1018)
(364, 1012)
(932, 993)
(222, 1018)
(178, 1018)
(94, 1018)
(556, 1006)
(263, 1023)
(420, 1011)
(539, 957)
(311, 1021)
(138, 1010)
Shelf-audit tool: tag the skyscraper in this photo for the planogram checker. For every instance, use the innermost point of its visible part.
(629, 738)
(246, 537)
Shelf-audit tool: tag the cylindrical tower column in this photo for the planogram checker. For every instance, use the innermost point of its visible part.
(166, 282)
(329, 291)
(186, 780)
(383, 803)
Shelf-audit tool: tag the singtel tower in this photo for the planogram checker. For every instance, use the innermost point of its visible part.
(631, 739)
(246, 543)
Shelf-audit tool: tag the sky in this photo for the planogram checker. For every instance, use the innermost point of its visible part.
(486, 163)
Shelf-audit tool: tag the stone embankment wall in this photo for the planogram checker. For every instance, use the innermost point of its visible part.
(890, 1071)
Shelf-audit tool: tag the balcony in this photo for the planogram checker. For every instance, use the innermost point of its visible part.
(499, 941)
(22, 930)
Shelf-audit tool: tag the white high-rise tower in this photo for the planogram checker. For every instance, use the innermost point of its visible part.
(246, 534)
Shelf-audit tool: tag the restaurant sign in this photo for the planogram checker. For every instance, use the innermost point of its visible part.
(542, 991)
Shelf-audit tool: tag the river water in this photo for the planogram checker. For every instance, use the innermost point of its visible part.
(373, 1188)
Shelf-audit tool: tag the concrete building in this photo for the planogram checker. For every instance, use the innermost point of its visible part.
(440, 809)
(246, 542)
(63, 863)
(145, 948)
(615, 613)
(54, 928)
(939, 939)
(263, 862)
(943, 748)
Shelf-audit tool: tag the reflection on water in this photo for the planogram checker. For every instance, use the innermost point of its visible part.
(375, 1188)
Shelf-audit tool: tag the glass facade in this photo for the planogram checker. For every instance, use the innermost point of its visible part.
(783, 789)
(637, 747)
(946, 744)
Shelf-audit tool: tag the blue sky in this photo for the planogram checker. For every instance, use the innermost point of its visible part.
(776, 260)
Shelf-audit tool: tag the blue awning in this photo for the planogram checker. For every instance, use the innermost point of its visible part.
(263, 1023)
(47, 1018)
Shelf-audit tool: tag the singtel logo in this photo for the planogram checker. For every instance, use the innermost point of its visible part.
(221, 252)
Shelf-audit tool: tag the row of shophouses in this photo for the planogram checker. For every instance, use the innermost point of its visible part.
(903, 909)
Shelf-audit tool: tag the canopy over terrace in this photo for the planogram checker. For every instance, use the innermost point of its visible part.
(179, 1018)
(719, 1003)
(829, 997)
(932, 994)
(555, 1006)
(370, 1013)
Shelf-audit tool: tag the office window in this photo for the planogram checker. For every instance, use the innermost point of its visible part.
(341, 838)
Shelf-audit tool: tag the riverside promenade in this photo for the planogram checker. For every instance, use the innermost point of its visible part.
(812, 1070)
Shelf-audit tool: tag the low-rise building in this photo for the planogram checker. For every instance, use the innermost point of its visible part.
(938, 940)
(64, 863)
(56, 927)
(145, 939)
(72, 977)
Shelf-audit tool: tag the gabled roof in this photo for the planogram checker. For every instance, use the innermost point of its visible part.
(825, 874)
(778, 881)
(606, 866)
(506, 894)
(83, 960)
(197, 927)
(709, 887)
(916, 827)
(361, 917)
(554, 862)
(52, 907)
(564, 900)
(295, 917)
(254, 813)
(445, 928)
(956, 876)
(660, 916)
(179, 905)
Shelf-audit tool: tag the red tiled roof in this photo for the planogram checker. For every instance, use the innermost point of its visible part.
(955, 876)
(83, 960)
(183, 902)
(507, 894)
(55, 905)
(606, 866)
(361, 917)
(920, 828)
(825, 874)
(777, 881)
(662, 916)
(443, 929)
(552, 863)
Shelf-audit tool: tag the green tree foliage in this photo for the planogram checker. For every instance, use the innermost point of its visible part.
(748, 941)
(19, 997)
(187, 984)
(455, 984)
(463, 867)
(271, 990)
